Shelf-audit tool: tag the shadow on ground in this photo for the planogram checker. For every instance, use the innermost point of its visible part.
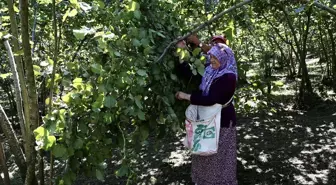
(283, 147)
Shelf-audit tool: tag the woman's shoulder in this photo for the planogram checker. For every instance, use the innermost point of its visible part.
(227, 77)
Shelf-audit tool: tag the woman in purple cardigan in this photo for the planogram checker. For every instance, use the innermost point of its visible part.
(218, 86)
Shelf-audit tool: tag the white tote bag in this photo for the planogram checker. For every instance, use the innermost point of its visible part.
(203, 128)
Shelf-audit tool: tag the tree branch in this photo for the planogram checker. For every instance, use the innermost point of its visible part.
(32, 95)
(52, 85)
(34, 27)
(19, 64)
(290, 24)
(326, 8)
(3, 165)
(18, 97)
(78, 48)
(198, 28)
(15, 148)
(277, 31)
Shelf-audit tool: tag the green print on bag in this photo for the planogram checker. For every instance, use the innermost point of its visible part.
(202, 132)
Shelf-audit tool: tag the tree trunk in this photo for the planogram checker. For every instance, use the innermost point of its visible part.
(333, 52)
(19, 62)
(53, 78)
(305, 75)
(326, 57)
(32, 96)
(296, 41)
(3, 165)
(17, 87)
(305, 82)
(14, 146)
(8, 88)
(292, 63)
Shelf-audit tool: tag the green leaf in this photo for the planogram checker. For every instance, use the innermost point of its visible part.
(138, 101)
(123, 171)
(102, 43)
(59, 150)
(147, 50)
(141, 115)
(173, 77)
(196, 51)
(43, 139)
(78, 143)
(40, 133)
(19, 53)
(110, 101)
(134, 31)
(99, 175)
(66, 98)
(200, 70)
(37, 70)
(137, 14)
(141, 72)
(83, 128)
(334, 6)
(100, 3)
(77, 83)
(145, 42)
(194, 71)
(80, 34)
(47, 101)
(160, 34)
(16, 9)
(108, 117)
(279, 83)
(144, 132)
(134, 6)
(66, 15)
(116, 53)
(99, 34)
(3, 76)
(74, 2)
(99, 102)
(97, 68)
(229, 31)
(136, 43)
(49, 142)
(73, 12)
(182, 54)
(45, 2)
(61, 115)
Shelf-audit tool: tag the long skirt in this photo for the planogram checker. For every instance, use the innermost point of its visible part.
(220, 168)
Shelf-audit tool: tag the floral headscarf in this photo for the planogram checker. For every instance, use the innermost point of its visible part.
(225, 56)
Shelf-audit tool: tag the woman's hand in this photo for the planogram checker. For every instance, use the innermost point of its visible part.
(181, 44)
(182, 96)
(193, 39)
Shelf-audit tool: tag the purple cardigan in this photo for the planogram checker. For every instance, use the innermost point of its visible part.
(221, 91)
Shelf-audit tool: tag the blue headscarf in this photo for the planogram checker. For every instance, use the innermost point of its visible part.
(225, 56)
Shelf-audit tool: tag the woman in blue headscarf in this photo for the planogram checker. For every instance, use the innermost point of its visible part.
(217, 87)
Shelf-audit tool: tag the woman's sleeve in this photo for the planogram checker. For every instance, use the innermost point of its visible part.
(220, 92)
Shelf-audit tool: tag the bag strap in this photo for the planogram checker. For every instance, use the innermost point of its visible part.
(228, 103)
(223, 106)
